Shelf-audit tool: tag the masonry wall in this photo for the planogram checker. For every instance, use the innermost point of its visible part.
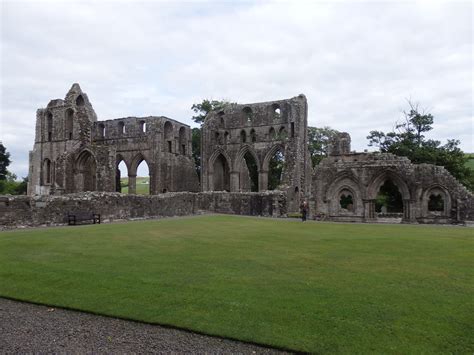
(17, 211)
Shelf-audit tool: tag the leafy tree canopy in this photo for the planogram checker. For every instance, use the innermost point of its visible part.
(318, 142)
(408, 139)
(4, 161)
(206, 106)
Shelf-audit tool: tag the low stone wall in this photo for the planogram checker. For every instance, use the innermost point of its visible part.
(17, 211)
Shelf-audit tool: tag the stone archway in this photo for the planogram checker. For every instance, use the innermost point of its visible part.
(345, 199)
(374, 188)
(86, 172)
(247, 170)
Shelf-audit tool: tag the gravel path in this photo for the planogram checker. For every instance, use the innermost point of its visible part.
(29, 328)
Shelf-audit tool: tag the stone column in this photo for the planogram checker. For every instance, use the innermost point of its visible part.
(132, 184)
(262, 180)
(234, 181)
(408, 211)
(369, 210)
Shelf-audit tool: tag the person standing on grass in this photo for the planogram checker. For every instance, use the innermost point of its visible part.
(304, 210)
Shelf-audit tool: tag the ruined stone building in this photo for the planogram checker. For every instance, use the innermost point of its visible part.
(345, 187)
(75, 152)
(252, 134)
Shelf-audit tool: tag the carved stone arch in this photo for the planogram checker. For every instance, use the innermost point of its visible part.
(215, 155)
(118, 159)
(436, 189)
(86, 171)
(271, 152)
(378, 181)
(136, 161)
(219, 171)
(342, 183)
(239, 158)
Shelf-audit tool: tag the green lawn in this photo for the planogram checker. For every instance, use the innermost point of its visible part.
(319, 287)
(142, 185)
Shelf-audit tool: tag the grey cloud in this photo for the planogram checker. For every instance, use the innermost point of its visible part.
(356, 62)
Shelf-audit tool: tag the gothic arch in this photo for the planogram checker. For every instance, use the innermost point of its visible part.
(240, 157)
(436, 189)
(215, 155)
(86, 171)
(378, 181)
(273, 150)
(343, 184)
(136, 160)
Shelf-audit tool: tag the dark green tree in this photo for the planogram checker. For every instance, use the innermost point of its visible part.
(318, 142)
(206, 106)
(4, 161)
(408, 139)
(201, 110)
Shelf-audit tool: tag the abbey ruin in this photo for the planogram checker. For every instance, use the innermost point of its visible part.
(75, 161)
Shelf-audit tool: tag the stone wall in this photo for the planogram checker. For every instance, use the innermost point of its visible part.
(73, 152)
(17, 211)
(359, 177)
(258, 132)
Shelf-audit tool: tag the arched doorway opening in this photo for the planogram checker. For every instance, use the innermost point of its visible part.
(121, 176)
(275, 170)
(389, 201)
(248, 175)
(86, 167)
(143, 178)
(221, 174)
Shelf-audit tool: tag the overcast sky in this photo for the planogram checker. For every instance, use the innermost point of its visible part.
(356, 62)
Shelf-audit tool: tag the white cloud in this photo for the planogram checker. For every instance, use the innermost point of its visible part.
(356, 62)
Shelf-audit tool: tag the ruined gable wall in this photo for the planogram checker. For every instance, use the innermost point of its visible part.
(260, 129)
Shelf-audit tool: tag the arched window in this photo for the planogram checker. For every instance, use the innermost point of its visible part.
(182, 140)
(80, 101)
(271, 133)
(226, 137)
(282, 134)
(143, 126)
(168, 135)
(121, 128)
(436, 203)
(69, 123)
(221, 118)
(253, 136)
(101, 130)
(276, 110)
(243, 136)
(49, 126)
(346, 201)
(47, 171)
(275, 170)
(247, 114)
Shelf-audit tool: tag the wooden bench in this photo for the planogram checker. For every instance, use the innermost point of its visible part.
(74, 217)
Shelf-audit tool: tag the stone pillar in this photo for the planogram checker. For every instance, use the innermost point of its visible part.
(132, 184)
(210, 182)
(262, 180)
(234, 181)
(369, 210)
(408, 211)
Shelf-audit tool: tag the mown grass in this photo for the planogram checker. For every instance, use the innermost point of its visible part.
(142, 185)
(318, 287)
